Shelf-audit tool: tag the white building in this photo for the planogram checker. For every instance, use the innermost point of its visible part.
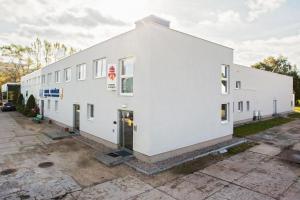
(156, 91)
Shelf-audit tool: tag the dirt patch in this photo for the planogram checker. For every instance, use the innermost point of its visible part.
(7, 172)
(46, 164)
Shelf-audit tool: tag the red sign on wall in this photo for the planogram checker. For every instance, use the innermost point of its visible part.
(111, 80)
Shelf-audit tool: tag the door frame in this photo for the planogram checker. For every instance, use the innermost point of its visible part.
(74, 117)
(119, 129)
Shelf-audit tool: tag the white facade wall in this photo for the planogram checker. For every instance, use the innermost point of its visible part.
(176, 90)
(260, 88)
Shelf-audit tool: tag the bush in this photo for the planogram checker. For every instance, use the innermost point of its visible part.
(31, 108)
(20, 104)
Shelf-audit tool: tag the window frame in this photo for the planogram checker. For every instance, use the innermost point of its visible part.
(65, 74)
(49, 78)
(226, 112)
(240, 106)
(103, 66)
(226, 79)
(89, 109)
(56, 105)
(238, 86)
(49, 104)
(126, 76)
(57, 77)
(43, 79)
(248, 105)
(80, 67)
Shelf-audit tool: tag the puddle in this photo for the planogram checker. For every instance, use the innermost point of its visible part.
(7, 172)
(46, 164)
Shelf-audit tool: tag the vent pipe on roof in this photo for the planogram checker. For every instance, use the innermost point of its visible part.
(154, 20)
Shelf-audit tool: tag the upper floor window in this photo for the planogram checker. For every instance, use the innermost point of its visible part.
(238, 84)
(57, 76)
(43, 79)
(81, 72)
(49, 77)
(67, 74)
(224, 79)
(100, 68)
(126, 76)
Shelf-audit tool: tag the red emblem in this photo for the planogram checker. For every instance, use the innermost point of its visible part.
(111, 73)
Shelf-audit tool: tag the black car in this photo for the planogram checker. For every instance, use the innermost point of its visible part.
(8, 107)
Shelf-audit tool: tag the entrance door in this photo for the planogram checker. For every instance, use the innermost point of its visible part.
(126, 129)
(76, 114)
(274, 107)
(42, 108)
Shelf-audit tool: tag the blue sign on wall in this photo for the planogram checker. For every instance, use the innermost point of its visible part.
(51, 93)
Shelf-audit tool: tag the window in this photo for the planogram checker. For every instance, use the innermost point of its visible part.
(100, 68)
(126, 76)
(67, 73)
(224, 112)
(57, 76)
(49, 77)
(43, 79)
(56, 105)
(90, 111)
(238, 84)
(240, 106)
(81, 72)
(224, 79)
(248, 105)
(49, 106)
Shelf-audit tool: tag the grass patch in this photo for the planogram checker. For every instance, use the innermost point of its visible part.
(295, 115)
(203, 162)
(297, 109)
(240, 148)
(253, 128)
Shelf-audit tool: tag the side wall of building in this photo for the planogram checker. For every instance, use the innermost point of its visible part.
(261, 89)
(186, 91)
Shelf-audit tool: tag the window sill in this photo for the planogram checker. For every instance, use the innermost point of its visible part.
(225, 122)
(99, 77)
(126, 94)
(91, 119)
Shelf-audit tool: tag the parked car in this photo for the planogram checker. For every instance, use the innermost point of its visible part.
(8, 107)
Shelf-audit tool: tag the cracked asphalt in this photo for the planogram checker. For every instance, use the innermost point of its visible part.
(256, 174)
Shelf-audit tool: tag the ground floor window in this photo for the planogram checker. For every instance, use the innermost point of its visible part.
(49, 104)
(224, 112)
(240, 106)
(56, 105)
(90, 111)
(248, 105)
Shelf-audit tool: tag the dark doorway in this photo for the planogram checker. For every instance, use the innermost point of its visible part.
(274, 107)
(76, 114)
(126, 129)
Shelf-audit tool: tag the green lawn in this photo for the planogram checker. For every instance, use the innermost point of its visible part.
(253, 128)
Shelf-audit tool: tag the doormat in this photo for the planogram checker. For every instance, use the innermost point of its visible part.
(114, 158)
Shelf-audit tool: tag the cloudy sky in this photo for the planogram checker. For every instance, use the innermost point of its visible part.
(254, 28)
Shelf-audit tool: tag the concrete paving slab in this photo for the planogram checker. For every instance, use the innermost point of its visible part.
(117, 189)
(152, 195)
(194, 186)
(266, 182)
(222, 172)
(296, 147)
(36, 183)
(293, 193)
(233, 192)
(266, 149)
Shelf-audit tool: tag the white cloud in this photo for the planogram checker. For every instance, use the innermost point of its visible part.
(259, 7)
(251, 51)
